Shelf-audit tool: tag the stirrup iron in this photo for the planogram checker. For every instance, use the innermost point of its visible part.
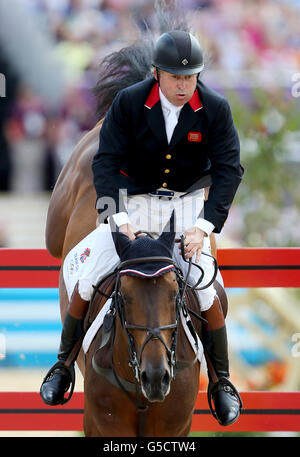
(71, 371)
(228, 386)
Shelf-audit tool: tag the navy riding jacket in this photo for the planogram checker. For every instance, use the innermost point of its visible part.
(134, 153)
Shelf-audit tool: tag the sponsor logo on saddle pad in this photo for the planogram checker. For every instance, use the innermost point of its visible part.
(85, 255)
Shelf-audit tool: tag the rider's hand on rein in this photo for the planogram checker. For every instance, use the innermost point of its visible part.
(128, 230)
(193, 243)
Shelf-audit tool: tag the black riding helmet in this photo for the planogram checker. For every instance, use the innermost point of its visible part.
(178, 52)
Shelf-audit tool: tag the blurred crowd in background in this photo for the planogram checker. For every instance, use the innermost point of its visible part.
(50, 51)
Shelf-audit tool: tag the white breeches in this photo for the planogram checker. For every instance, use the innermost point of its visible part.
(95, 256)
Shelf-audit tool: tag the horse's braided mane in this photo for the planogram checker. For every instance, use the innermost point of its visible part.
(133, 63)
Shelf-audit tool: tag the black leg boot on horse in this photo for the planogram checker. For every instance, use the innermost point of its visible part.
(226, 400)
(62, 375)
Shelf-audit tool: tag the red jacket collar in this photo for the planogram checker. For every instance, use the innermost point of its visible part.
(153, 98)
(195, 102)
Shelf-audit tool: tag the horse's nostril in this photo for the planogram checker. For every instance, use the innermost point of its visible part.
(155, 384)
(166, 379)
(144, 379)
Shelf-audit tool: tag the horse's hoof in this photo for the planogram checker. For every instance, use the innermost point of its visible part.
(54, 387)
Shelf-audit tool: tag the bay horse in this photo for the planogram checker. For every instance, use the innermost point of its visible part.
(149, 372)
(72, 216)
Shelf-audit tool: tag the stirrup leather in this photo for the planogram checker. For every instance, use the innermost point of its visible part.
(71, 372)
(225, 384)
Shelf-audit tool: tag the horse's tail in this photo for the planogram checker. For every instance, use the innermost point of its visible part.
(133, 63)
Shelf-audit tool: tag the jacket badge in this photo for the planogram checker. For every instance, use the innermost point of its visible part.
(195, 137)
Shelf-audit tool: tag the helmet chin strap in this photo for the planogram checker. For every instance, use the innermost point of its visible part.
(157, 75)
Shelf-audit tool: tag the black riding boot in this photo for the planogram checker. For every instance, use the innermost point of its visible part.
(59, 378)
(226, 400)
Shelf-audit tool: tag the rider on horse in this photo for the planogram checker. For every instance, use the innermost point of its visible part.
(162, 142)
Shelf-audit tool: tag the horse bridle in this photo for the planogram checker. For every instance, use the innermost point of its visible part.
(155, 332)
(117, 305)
(108, 333)
(152, 333)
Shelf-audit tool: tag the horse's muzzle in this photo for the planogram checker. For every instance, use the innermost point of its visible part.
(155, 382)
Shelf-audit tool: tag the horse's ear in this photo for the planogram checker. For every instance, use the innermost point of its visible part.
(168, 233)
(122, 242)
